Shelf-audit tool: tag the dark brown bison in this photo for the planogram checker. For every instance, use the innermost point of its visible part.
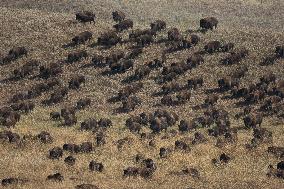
(55, 177)
(44, 137)
(76, 81)
(144, 40)
(212, 46)
(26, 69)
(95, 166)
(239, 72)
(174, 35)
(134, 53)
(55, 153)
(154, 64)
(115, 57)
(235, 57)
(85, 17)
(208, 23)
(185, 126)
(211, 100)
(194, 60)
(82, 37)
(76, 56)
(104, 123)
(17, 52)
(83, 103)
(122, 66)
(279, 50)
(129, 104)
(54, 115)
(9, 136)
(70, 160)
(124, 25)
(118, 16)
(89, 124)
(195, 82)
(137, 33)
(109, 39)
(269, 60)
(183, 97)
(255, 96)
(252, 120)
(167, 100)
(23, 106)
(194, 39)
(170, 87)
(72, 148)
(86, 186)
(50, 70)
(98, 60)
(227, 47)
(227, 83)
(158, 25)
(142, 72)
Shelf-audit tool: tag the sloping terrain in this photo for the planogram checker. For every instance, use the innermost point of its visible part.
(45, 27)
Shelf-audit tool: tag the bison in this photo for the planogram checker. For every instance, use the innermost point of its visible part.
(85, 16)
(109, 39)
(118, 16)
(158, 25)
(208, 23)
(82, 37)
(279, 50)
(124, 25)
(212, 46)
(76, 56)
(174, 35)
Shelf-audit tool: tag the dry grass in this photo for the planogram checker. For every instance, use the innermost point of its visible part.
(44, 26)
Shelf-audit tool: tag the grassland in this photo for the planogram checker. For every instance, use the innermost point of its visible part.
(44, 26)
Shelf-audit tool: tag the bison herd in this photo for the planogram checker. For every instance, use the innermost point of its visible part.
(256, 100)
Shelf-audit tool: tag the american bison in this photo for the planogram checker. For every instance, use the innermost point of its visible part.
(212, 46)
(195, 82)
(109, 39)
(17, 52)
(45, 137)
(83, 103)
(279, 50)
(123, 25)
(82, 37)
(142, 72)
(89, 124)
(235, 57)
(252, 120)
(118, 16)
(158, 25)
(174, 35)
(138, 33)
(85, 16)
(26, 69)
(208, 23)
(55, 153)
(76, 81)
(76, 56)
(227, 47)
(227, 83)
(98, 60)
(144, 40)
(95, 166)
(50, 70)
(121, 67)
(194, 60)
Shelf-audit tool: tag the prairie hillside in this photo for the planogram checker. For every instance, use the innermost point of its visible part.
(189, 111)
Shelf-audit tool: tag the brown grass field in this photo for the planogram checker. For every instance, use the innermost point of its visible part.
(44, 26)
